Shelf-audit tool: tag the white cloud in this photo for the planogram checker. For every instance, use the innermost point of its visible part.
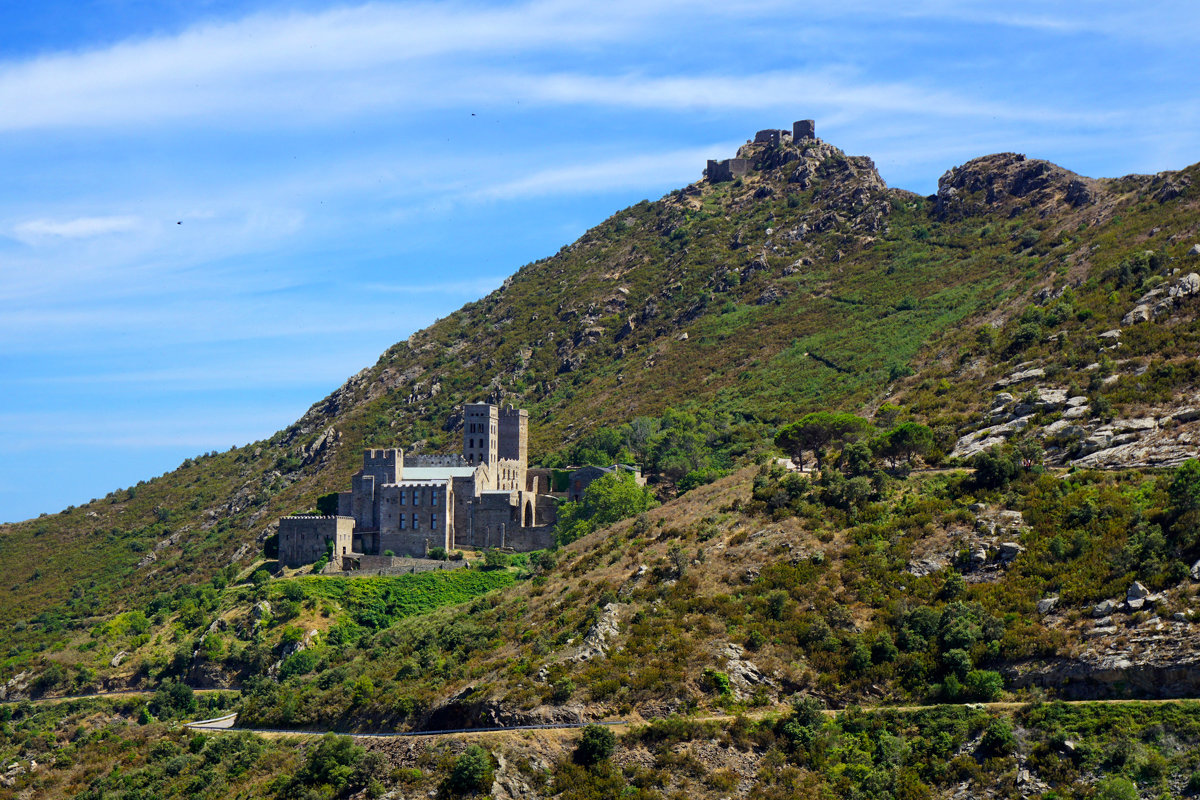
(79, 228)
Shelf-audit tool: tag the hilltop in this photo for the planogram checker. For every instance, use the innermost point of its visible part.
(1024, 311)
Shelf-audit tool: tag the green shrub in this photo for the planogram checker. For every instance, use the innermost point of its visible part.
(596, 744)
(472, 772)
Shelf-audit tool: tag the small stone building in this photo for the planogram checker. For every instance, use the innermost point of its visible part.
(582, 478)
(407, 505)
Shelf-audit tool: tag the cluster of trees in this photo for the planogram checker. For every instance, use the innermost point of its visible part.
(606, 500)
(857, 439)
(680, 447)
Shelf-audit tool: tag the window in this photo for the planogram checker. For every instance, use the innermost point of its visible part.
(402, 493)
(416, 497)
(433, 521)
(416, 522)
(433, 497)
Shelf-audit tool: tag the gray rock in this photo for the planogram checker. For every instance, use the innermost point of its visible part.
(1136, 591)
(1139, 313)
(1046, 605)
(1196, 571)
(1188, 414)
(1011, 519)
(1104, 608)
(118, 658)
(1009, 551)
(1021, 376)
(1097, 632)
(1195, 251)
(1134, 425)
(261, 609)
(1113, 335)
(1077, 412)
(1135, 604)
(1077, 400)
(1002, 399)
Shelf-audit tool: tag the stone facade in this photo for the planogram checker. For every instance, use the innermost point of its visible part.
(405, 505)
(304, 539)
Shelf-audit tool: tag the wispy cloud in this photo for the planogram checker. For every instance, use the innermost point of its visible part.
(79, 228)
(635, 170)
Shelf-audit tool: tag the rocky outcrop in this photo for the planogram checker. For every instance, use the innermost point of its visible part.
(1157, 658)
(1010, 180)
(1163, 300)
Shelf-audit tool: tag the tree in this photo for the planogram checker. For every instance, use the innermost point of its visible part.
(332, 762)
(472, 772)
(608, 499)
(906, 441)
(597, 744)
(819, 430)
(1184, 490)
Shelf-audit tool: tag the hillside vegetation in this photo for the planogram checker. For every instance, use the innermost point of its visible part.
(1029, 332)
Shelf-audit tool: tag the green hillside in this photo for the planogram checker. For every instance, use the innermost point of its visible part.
(688, 332)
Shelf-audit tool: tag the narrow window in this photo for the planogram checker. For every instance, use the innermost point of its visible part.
(433, 521)
(433, 497)
(416, 522)
(402, 493)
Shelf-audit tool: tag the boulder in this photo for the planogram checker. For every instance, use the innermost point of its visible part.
(1195, 251)
(1139, 313)
(1076, 401)
(1009, 551)
(1046, 605)
(1077, 412)
(1196, 571)
(1136, 591)
(1104, 608)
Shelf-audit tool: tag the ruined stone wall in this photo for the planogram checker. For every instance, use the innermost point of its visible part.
(804, 129)
(727, 169)
(302, 540)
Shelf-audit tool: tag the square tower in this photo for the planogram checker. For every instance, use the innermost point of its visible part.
(514, 434)
(481, 434)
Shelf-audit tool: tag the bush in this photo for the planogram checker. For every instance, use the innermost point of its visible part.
(597, 744)
(999, 738)
(471, 774)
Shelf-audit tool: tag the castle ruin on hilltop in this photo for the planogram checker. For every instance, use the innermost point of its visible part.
(730, 168)
(406, 505)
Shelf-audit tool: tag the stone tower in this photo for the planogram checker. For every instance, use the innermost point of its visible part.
(514, 434)
(481, 434)
(804, 129)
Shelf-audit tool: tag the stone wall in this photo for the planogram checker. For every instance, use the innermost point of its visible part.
(804, 129)
(364, 566)
(727, 170)
(302, 540)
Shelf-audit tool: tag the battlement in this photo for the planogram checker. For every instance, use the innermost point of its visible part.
(314, 516)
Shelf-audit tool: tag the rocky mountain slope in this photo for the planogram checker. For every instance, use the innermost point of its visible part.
(1022, 309)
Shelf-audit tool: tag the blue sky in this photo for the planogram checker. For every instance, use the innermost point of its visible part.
(214, 212)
